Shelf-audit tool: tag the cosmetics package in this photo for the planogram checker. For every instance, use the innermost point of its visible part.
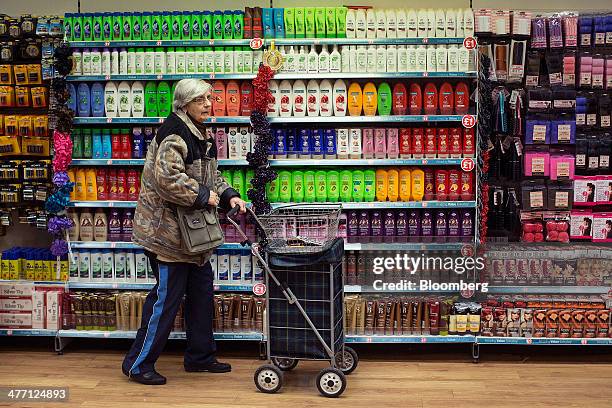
(483, 21)
(538, 33)
(562, 165)
(521, 22)
(564, 100)
(532, 75)
(554, 63)
(555, 32)
(534, 195)
(540, 99)
(500, 22)
(537, 131)
(518, 51)
(570, 30)
(560, 195)
(537, 161)
(563, 130)
(569, 69)
(500, 56)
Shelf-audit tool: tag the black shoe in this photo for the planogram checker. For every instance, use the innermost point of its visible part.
(149, 378)
(212, 367)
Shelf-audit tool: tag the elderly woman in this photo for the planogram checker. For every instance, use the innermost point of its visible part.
(180, 170)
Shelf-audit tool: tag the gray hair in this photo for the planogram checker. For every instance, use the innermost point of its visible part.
(187, 90)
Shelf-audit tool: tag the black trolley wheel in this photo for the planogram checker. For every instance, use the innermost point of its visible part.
(331, 382)
(347, 360)
(285, 364)
(268, 379)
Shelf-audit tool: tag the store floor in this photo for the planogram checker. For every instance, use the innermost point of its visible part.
(387, 377)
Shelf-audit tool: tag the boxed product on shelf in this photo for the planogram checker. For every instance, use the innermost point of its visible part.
(238, 313)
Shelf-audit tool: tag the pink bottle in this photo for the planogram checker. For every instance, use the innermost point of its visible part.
(393, 143)
(380, 143)
(221, 141)
(367, 143)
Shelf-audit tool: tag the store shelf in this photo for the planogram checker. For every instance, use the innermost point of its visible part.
(277, 41)
(34, 282)
(370, 289)
(28, 332)
(542, 341)
(148, 286)
(550, 289)
(281, 76)
(107, 162)
(93, 334)
(155, 120)
(102, 204)
(433, 246)
(410, 339)
(131, 245)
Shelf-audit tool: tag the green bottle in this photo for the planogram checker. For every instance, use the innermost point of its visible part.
(164, 99)
(175, 28)
(146, 26)
(341, 22)
(333, 186)
(330, 22)
(227, 176)
(196, 25)
(171, 94)
(68, 26)
(384, 99)
(156, 24)
(207, 25)
(87, 27)
(309, 22)
(77, 143)
(310, 194)
(369, 191)
(97, 27)
(284, 186)
(87, 144)
(238, 23)
(250, 175)
(289, 18)
(217, 25)
(300, 28)
(186, 26)
(166, 26)
(238, 182)
(228, 25)
(117, 27)
(77, 27)
(320, 22)
(126, 18)
(346, 186)
(358, 182)
(107, 27)
(151, 110)
(321, 186)
(297, 186)
(137, 26)
(272, 191)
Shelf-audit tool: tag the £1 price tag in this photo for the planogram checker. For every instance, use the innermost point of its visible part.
(467, 164)
(469, 43)
(259, 289)
(468, 121)
(256, 43)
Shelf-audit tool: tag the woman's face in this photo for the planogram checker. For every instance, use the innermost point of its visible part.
(199, 108)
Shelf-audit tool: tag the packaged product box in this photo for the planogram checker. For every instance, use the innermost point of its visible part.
(603, 323)
(38, 309)
(602, 227)
(406, 312)
(526, 322)
(585, 190)
(15, 305)
(381, 315)
(552, 323)
(53, 311)
(360, 316)
(578, 322)
(539, 323)
(590, 323)
(389, 317)
(16, 320)
(20, 289)
(370, 317)
(500, 321)
(513, 327)
(487, 323)
(565, 323)
(603, 190)
(581, 225)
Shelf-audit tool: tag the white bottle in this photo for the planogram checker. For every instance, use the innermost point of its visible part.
(257, 59)
(350, 23)
(412, 58)
(274, 106)
(190, 58)
(131, 59)
(412, 24)
(209, 60)
(171, 62)
(77, 58)
(286, 97)
(468, 22)
(219, 57)
(181, 62)
(472, 60)
(283, 68)
(324, 59)
(402, 23)
(381, 23)
(149, 61)
(339, 98)
(355, 143)
(460, 32)
(371, 58)
(299, 98)
(138, 99)
(342, 143)
(391, 26)
(302, 61)
(453, 58)
(440, 23)
(361, 25)
(451, 24)
(233, 143)
(381, 58)
(86, 61)
(200, 61)
(111, 99)
(247, 60)
(431, 59)
(96, 62)
(326, 107)
(464, 59)
(345, 57)
(139, 61)
(391, 58)
(421, 58)
(290, 60)
(402, 58)
(115, 62)
(441, 58)
(371, 23)
(159, 63)
(106, 62)
(130, 266)
(123, 62)
(362, 58)
(228, 62)
(124, 94)
(313, 61)
(96, 266)
(353, 59)
(312, 95)
(431, 23)
(335, 60)
(422, 23)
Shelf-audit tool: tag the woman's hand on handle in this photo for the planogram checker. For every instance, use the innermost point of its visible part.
(237, 201)
(213, 200)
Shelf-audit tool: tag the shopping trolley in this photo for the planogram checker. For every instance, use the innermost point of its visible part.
(301, 255)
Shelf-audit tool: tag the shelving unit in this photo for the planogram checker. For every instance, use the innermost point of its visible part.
(130, 245)
(416, 339)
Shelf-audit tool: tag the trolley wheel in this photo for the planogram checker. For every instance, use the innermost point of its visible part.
(285, 364)
(268, 379)
(347, 360)
(331, 382)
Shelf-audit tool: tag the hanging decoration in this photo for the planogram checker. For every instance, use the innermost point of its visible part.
(485, 122)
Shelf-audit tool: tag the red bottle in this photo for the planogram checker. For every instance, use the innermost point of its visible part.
(133, 178)
(400, 99)
(101, 183)
(415, 101)
(122, 185)
(418, 143)
(248, 22)
(431, 144)
(467, 186)
(454, 182)
(117, 151)
(430, 181)
(246, 98)
(405, 143)
(469, 143)
(126, 144)
(447, 99)
(443, 143)
(112, 184)
(257, 23)
(441, 185)
(430, 99)
(462, 98)
(456, 143)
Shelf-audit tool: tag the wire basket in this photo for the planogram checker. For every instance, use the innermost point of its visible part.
(300, 229)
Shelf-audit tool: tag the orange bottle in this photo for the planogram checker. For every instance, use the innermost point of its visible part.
(370, 99)
(72, 178)
(91, 190)
(382, 185)
(218, 99)
(418, 184)
(80, 187)
(404, 185)
(232, 93)
(393, 180)
(355, 99)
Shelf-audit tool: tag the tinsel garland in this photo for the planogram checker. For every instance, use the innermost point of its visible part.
(485, 123)
(258, 159)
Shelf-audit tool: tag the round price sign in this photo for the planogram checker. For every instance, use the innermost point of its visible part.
(256, 43)
(467, 293)
(467, 164)
(469, 43)
(468, 121)
(467, 250)
(259, 289)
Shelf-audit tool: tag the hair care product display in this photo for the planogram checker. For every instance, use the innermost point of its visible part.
(113, 143)
(236, 267)
(111, 266)
(33, 264)
(26, 305)
(114, 184)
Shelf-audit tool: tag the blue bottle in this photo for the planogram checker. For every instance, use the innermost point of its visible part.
(304, 140)
(268, 22)
(72, 100)
(84, 100)
(316, 144)
(138, 143)
(330, 143)
(107, 149)
(292, 143)
(96, 135)
(279, 22)
(97, 100)
(149, 135)
(280, 142)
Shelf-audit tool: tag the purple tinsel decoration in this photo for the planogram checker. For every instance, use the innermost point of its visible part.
(258, 160)
(57, 225)
(61, 178)
(59, 247)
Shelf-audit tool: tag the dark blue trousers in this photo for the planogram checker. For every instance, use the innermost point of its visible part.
(175, 281)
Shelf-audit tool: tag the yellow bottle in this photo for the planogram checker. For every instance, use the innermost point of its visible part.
(64, 268)
(404, 189)
(393, 177)
(418, 184)
(80, 187)
(40, 272)
(15, 270)
(370, 99)
(355, 99)
(91, 189)
(72, 178)
(30, 270)
(382, 185)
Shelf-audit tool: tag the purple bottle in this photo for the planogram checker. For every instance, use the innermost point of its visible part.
(414, 225)
(352, 226)
(426, 225)
(467, 225)
(127, 225)
(454, 228)
(376, 223)
(114, 226)
(441, 228)
(365, 230)
(149, 135)
(401, 226)
(304, 143)
(342, 226)
(389, 231)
